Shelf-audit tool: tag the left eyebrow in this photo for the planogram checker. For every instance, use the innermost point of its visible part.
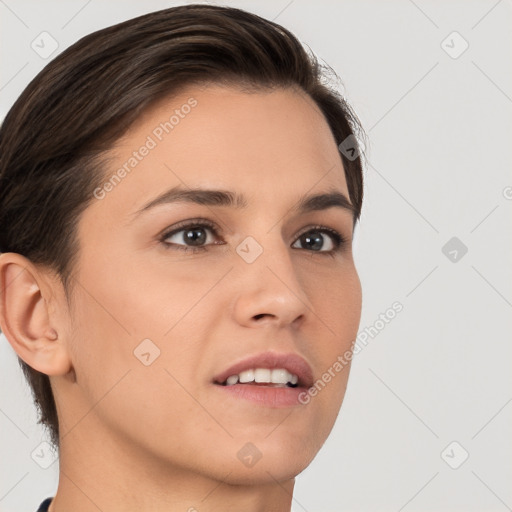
(227, 198)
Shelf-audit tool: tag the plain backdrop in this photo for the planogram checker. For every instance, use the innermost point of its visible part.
(427, 417)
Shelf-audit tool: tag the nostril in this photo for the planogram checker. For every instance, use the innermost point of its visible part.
(262, 315)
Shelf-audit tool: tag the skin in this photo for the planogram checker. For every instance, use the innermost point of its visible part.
(160, 437)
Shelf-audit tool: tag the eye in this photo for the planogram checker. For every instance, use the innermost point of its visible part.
(313, 239)
(190, 233)
(193, 236)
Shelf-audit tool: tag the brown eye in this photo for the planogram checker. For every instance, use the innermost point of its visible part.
(191, 236)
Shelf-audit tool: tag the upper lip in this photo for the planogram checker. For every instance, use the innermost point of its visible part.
(292, 362)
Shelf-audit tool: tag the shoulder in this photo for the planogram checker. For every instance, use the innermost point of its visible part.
(44, 505)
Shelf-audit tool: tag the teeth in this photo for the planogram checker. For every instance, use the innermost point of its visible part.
(246, 376)
(280, 376)
(232, 380)
(264, 375)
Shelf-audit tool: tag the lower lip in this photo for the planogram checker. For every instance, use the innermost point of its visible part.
(265, 395)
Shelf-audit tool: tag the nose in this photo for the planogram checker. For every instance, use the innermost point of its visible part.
(269, 290)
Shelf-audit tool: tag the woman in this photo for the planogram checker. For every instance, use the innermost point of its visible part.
(179, 194)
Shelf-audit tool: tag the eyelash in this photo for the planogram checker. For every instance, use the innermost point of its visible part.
(339, 240)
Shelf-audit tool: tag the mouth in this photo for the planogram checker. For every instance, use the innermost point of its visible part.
(276, 378)
(270, 379)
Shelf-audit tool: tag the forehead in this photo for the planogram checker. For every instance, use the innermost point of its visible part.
(272, 146)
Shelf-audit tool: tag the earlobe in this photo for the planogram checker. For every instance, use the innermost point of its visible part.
(25, 318)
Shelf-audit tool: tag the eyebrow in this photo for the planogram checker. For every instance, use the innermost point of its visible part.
(226, 198)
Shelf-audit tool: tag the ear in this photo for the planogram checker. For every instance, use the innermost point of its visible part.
(25, 300)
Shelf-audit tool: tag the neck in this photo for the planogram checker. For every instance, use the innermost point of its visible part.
(99, 473)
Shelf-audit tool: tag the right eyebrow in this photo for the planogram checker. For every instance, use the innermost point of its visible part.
(226, 198)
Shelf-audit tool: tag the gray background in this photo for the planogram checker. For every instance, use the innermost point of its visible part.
(439, 163)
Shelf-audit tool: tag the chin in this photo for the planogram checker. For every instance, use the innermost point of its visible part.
(266, 471)
(266, 460)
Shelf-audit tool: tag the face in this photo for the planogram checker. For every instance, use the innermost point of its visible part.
(173, 295)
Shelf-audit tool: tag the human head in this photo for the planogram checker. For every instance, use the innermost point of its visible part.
(55, 140)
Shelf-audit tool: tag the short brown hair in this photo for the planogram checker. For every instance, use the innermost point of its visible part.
(72, 112)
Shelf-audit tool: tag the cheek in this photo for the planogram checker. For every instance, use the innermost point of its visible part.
(337, 303)
(126, 318)
(134, 400)
(134, 300)
(338, 310)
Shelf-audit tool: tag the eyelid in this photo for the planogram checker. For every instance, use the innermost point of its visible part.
(321, 227)
(339, 238)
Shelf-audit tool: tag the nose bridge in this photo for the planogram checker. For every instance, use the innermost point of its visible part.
(267, 250)
(270, 284)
